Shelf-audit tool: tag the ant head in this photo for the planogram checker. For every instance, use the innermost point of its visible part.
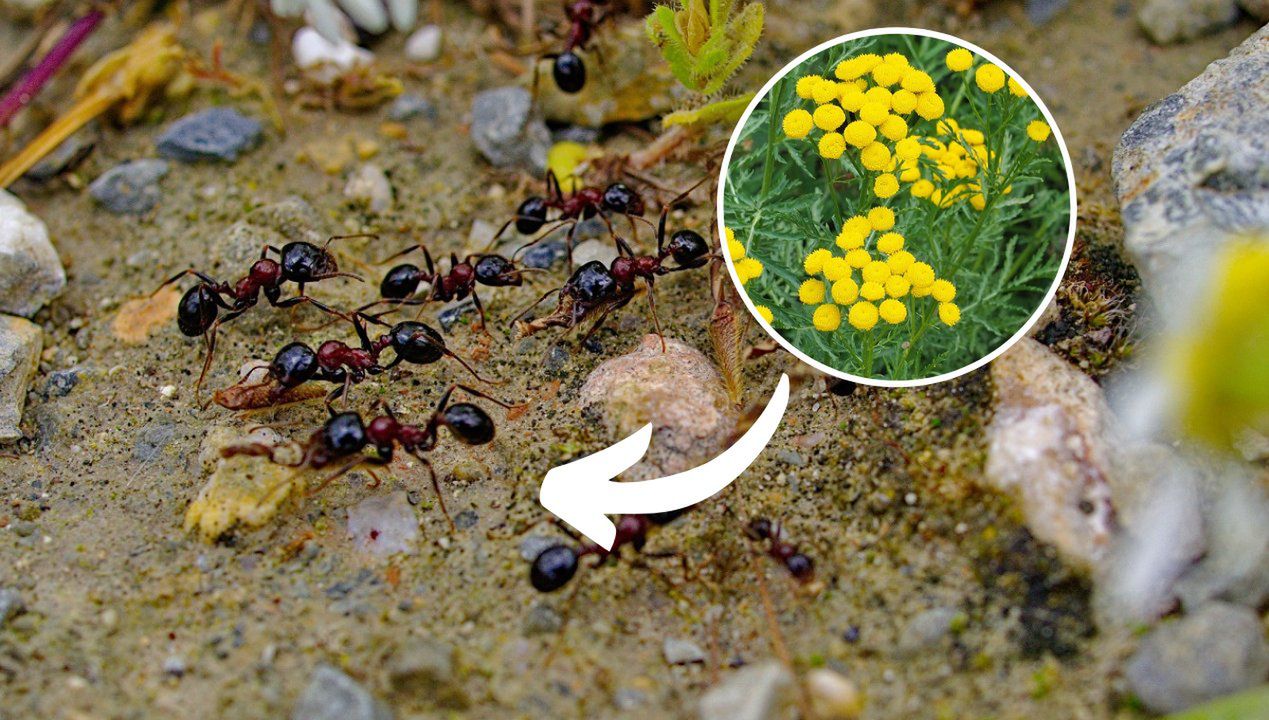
(400, 282)
(382, 430)
(593, 282)
(621, 199)
(759, 529)
(687, 247)
(801, 566)
(569, 72)
(344, 434)
(417, 342)
(469, 423)
(294, 364)
(531, 215)
(553, 568)
(266, 272)
(305, 262)
(197, 310)
(497, 271)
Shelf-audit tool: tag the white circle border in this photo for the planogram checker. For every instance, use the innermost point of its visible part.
(1070, 180)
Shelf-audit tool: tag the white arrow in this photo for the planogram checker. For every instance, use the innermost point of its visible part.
(581, 492)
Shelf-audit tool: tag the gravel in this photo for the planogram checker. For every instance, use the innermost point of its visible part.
(682, 652)
(332, 695)
(758, 692)
(507, 132)
(31, 273)
(214, 134)
(130, 188)
(20, 344)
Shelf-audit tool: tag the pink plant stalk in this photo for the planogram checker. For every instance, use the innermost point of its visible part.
(25, 90)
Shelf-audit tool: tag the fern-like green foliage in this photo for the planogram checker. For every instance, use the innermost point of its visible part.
(705, 44)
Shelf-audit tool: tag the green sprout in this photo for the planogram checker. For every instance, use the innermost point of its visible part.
(705, 47)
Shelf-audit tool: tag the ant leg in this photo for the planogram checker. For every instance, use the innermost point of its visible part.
(190, 271)
(550, 231)
(407, 251)
(436, 487)
(652, 310)
(336, 475)
(444, 401)
(537, 302)
(484, 327)
(302, 298)
(458, 359)
(209, 338)
(353, 236)
(337, 393)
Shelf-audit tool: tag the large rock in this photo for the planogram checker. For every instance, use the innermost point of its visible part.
(1193, 171)
(31, 274)
(332, 695)
(20, 344)
(678, 391)
(507, 131)
(1169, 21)
(1047, 447)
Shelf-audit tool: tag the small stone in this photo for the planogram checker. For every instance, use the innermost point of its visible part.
(1216, 651)
(604, 252)
(152, 439)
(792, 457)
(757, 692)
(682, 652)
(926, 630)
(410, 106)
(66, 156)
(1169, 21)
(424, 668)
(466, 519)
(556, 359)
(544, 255)
(216, 134)
(11, 605)
(383, 524)
(61, 382)
(833, 695)
(175, 666)
(533, 545)
(130, 188)
(322, 60)
(1040, 12)
(626, 699)
(506, 131)
(369, 185)
(332, 695)
(168, 392)
(451, 315)
(424, 44)
(21, 342)
(31, 274)
(542, 619)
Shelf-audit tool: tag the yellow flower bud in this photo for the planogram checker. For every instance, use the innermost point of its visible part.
(1038, 130)
(903, 101)
(836, 268)
(917, 81)
(989, 78)
(878, 95)
(920, 274)
(851, 97)
(827, 318)
(876, 271)
(943, 291)
(825, 92)
(832, 145)
(900, 262)
(887, 74)
(949, 313)
(849, 239)
(892, 311)
(872, 290)
(1016, 89)
(874, 113)
(862, 316)
(858, 258)
(814, 262)
(829, 117)
(764, 312)
(811, 292)
(806, 86)
(881, 218)
(894, 128)
(929, 106)
(798, 123)
(875, 156)
(959, 60)
(748, 269)
(890, 243)
(845, 291)
(860, 133)
(885, 186)
(736, 249)
(897, 286)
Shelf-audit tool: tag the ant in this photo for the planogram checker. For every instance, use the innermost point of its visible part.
(335, 361)
(299, 262)
(799, 565)
(567, 67)
(345, 435)
(556, 565)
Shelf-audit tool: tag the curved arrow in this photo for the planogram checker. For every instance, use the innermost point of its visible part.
(581, 493)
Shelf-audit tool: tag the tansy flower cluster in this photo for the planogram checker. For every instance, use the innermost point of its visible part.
(888, 275)
(747, 268)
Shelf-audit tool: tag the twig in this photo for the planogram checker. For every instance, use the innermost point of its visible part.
(30, 85)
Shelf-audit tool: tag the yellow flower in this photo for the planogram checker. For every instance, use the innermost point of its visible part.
(845, 291)
(896, 58)
(825, 92)
(858, 258)
(894, 128)
(989, 78)
(874, 113)
(887, 74)
(827, 318)
(885, 186)
(748, 269)
(978, 201)
(862, 315)
(811, 292)
(897, 286)
(943, 291)
(907, 149)
(829, 117)
(949, 313)
(814, 262)
(920, 292)
(972, 136)
(857, 66)
(875, 156)
(1016, 89)
(849, 239)
(920, 274)
(857, 224)
(890, 243)
(893, 311)
(878, 95)
(736, 248)
(876, 271)
(860, 133)
(900, 262)
(851, 97)
(959, 60)
(872, 290)
(903, 101)
(832, 145)
(836, 268)
(929, 106)
(1038, 130)
(917, 81)
(807, 84)
(764, 312)
(911, 173)
(798, 123)
(881, 218)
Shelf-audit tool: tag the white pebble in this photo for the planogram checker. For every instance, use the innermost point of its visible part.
(323, 60)
(424, 44)
(168, 391)
(833, 696)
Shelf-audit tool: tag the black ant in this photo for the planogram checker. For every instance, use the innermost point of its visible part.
(567, 67)
(557, 564)
(300, 263)
(345, 435)
(337, 362)
(799, 565)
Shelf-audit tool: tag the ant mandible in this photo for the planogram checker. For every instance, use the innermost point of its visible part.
(335, 361)
(556, 565)
(567, 67)
(299, 262)
(799, 565)
(345, 435)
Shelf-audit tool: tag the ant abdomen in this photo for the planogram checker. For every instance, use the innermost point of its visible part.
(304, 262)
(469, 423)
(620, 198)
(531, 215)
(687, 247)
(197, 311)
(593, 282)
(417, 343)
(553, 568)
(400, 282)
(497, 271)
(800, 566)
(344, 434)
(569, 72)
(294, 364)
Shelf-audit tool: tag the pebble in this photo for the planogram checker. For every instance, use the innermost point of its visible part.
(175, 666)
(384, 524)
(369, 186)
(533, 545)
(11, 605)
(424, 44)
(410, 106)
(678, 391)
(218, 133)
(682, 652)
(626, 699)
(833, 695)
(322, 60)
(1216, 651)
(542, 619)
(925, 630)
(604, 252)
(130, 188)
(451, 315)
(424, 668)
(1040, 12)
(757, 692)
(332, 695)
(544, 255)
(21, 342)
(31, 273)
(506, 131)
(1189, 172)
(1170, 21)
(556, 358)
(66, 156)
(151, 440)
(61, 382)
(466, 519)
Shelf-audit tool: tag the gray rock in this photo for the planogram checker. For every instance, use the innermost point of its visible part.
(214, 134)
(369, 185)
(332, 695)
(466, 519)
(409, 106)
(682, 652)
(31, 274)
(1216, 651)
(506, 131)
(61, 382)
(1169, 21)
(70, 153)
(130, 188)
(757, 692)
(384, 524)
(542, 619)
(594, 250)
(21, 342)
(289, 220)
(424, 668)
(151, 440)
(533, 545)
(11, 605)
(1192, 172)
(544, 254)
(1040, 12)
(926, 630)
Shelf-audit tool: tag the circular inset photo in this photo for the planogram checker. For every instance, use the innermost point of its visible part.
(898, 205)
